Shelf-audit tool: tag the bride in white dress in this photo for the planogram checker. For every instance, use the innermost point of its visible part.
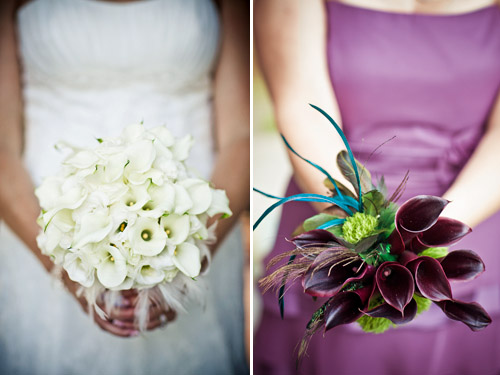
(81, 69)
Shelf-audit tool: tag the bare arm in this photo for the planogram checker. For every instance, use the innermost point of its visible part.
(476, 191)
(290, 37)
(232, 110)
(18, 205)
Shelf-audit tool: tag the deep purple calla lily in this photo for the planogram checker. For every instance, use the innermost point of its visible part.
(395, 284)
(316, 237)
(444, 232)
(387, 311)
(328, 274)
(430, 278)
(346, 307)
(420, 213)
(462, 265)
(469, 313)
(418, 225)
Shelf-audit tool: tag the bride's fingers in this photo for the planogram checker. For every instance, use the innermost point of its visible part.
(124, 313)
(126, 318)
(154, 321)
(115, 329)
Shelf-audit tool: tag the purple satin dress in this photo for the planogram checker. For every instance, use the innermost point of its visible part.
(430, 81)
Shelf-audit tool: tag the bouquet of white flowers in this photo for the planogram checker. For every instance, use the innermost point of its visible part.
(128, 214)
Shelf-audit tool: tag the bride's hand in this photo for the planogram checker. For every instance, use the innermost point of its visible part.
(121, 318)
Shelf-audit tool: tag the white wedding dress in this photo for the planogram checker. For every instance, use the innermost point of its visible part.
(90, 68)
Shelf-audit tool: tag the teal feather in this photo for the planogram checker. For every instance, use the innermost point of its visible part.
(346, 143)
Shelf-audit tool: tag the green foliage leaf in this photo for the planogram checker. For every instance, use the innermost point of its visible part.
(386, 219)
(423, 304)
(435, 252)
(317, 220)
(336, 231)
(373, 202)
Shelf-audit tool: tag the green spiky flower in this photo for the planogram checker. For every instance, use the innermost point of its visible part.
(358, 226)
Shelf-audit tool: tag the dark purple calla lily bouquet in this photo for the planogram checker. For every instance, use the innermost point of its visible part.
(372, 261)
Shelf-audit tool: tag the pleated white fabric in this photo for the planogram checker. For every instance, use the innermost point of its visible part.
(89, 68)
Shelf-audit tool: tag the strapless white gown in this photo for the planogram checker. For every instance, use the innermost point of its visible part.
(90, 68)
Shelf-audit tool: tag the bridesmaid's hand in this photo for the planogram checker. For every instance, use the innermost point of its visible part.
(120, 320)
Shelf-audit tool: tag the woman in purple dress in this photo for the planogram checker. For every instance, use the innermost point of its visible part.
(428, 74)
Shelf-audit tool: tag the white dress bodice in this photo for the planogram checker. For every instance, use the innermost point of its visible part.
(92, 67)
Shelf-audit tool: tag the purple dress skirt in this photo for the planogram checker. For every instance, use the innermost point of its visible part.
(430, 81)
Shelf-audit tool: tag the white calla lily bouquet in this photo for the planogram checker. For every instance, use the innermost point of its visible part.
(128, 214)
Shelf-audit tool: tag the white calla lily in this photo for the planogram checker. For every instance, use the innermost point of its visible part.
(147, 237)
(57, 194)
(219, 204)
(127, 284)
(138, 178)
(56, 231)
(200, 194)
(187, 259)
(114, 191)
(134, 132)
(112, 271)
(176, 228)
(136, 197)
(183, 201)
(49, 192)
(162, 201)
(163, 135)
(94, 227)
(162, 261)
(82, 159)
(170, 274)
(168, 166)
(79, 269)
(114, 166)
(53, 236)
(181, 148)
(63, 220)
(95, 201)
(140, 155)
(198, 228)
(148, 275)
